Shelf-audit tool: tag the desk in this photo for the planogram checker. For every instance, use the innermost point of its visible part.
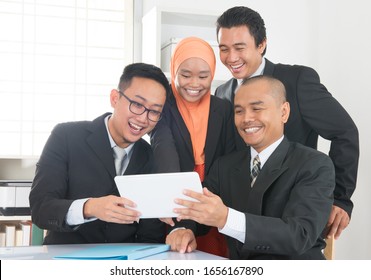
(47, 252)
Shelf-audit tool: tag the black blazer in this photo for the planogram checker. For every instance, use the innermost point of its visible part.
(77, 162)
(314, 112)
(171, 141)
(288, 207)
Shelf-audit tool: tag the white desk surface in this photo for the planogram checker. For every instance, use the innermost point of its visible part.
(47, 252)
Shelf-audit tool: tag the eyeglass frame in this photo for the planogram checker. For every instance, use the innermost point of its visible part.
(131, 102)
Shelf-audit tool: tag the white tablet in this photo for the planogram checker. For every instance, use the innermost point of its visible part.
(154, 194)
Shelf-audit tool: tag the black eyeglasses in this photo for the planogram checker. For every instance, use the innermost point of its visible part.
(138, 109)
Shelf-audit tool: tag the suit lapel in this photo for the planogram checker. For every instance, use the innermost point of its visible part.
(233, 86)
(138, 159)
(213, 129)
(240, 179)
(99, 143)
(271, 170)
(269, 68)
(226, 90)
(177, 117)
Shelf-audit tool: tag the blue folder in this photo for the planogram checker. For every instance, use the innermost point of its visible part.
(116, 252)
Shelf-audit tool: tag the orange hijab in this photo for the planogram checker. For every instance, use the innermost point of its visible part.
(195, 115)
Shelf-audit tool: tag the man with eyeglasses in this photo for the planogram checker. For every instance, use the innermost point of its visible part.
(74, 195)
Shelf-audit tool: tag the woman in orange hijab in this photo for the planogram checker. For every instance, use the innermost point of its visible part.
(197, 127)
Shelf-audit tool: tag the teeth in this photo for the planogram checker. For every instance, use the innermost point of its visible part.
(137, 127)
(251, 129)
(236, 66)
(191, 91)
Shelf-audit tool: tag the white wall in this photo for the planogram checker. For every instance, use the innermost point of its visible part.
(345, 44)
(332, 36)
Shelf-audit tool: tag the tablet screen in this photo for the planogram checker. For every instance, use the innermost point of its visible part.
(154, 194)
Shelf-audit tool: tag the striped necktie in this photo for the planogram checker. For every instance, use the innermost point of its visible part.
(255, 170)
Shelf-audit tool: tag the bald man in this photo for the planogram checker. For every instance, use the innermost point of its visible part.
(273, 200)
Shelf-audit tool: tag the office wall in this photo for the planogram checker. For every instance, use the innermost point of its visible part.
(345, 44)
(333, 37)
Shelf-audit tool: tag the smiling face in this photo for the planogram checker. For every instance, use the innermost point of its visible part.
(238, 51)
(260, 113)
(127, 127)
(193, 79)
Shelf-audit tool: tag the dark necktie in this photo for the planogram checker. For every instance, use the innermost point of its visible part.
(255, 170)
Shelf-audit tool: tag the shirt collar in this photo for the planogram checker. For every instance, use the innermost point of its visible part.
(266, 153)
(260, 69)
(258, 72)
(128, 149)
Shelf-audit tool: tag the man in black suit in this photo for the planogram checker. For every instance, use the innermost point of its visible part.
(242, 45)
(74, 195)
(280, 211)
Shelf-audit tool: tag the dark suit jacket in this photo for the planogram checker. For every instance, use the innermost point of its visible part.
(314, 112)
(77, 162)
(288, 206)
(171, 141)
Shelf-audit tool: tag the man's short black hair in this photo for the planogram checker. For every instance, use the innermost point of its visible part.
(143, 70)
(243, 16)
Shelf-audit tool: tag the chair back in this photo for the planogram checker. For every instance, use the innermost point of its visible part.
(329, 251)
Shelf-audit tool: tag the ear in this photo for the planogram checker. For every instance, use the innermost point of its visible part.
(114, 97)
(262, 46)
(285, 112)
